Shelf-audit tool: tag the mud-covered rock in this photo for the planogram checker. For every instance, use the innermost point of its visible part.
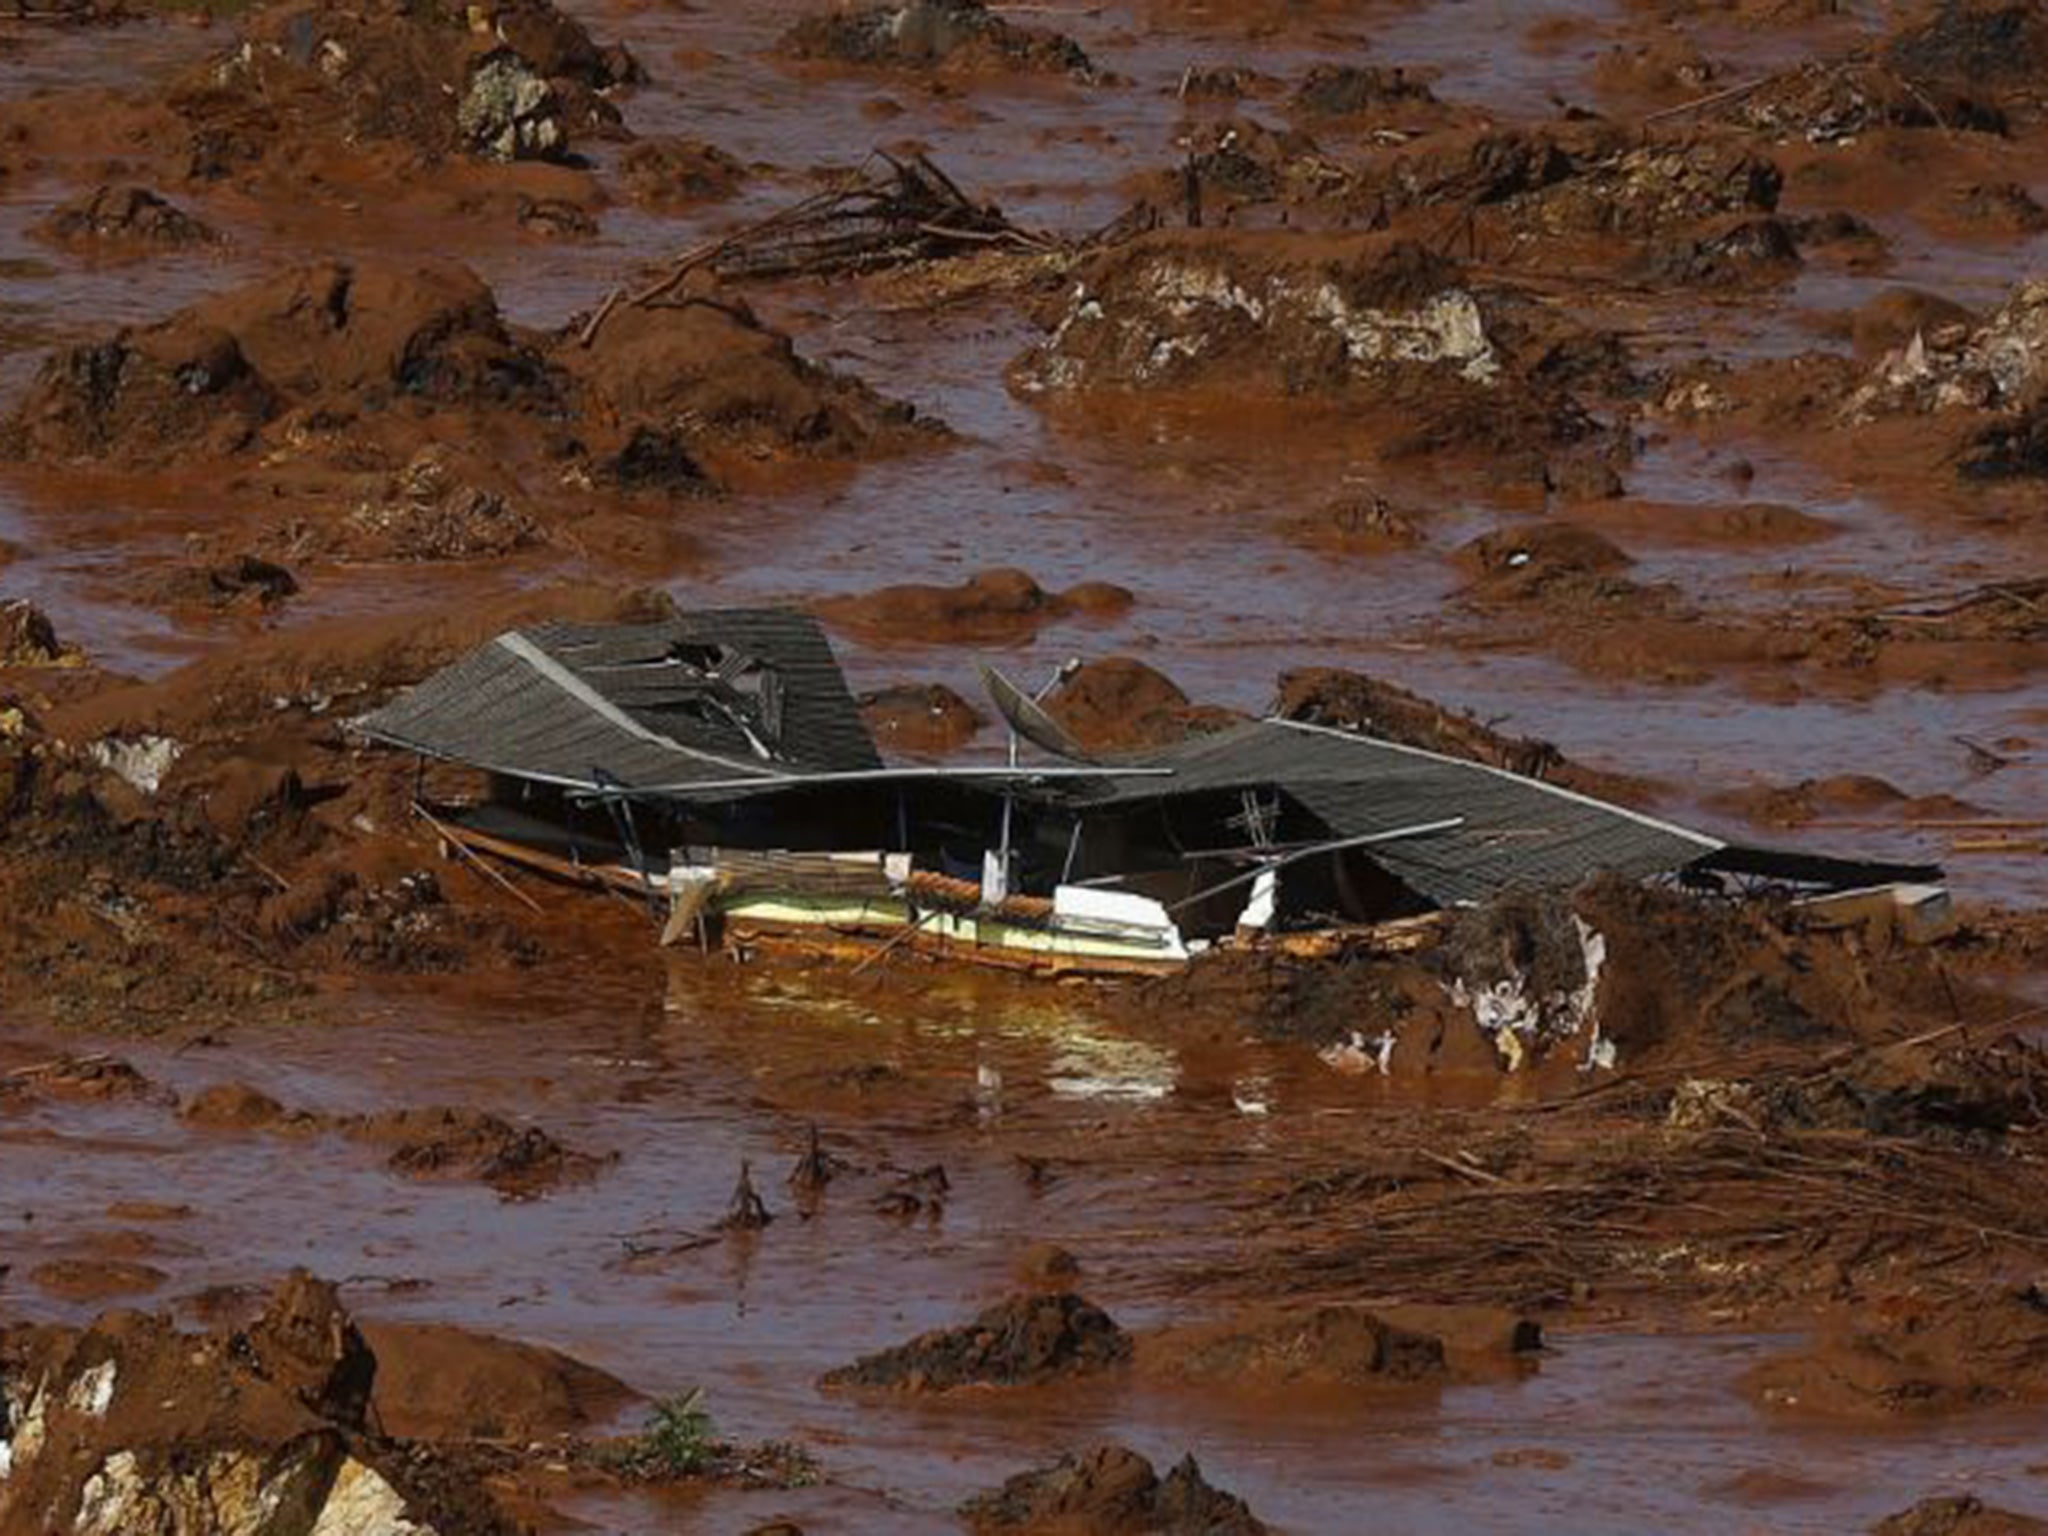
(306, 1343)
(241, 583)
(1343, 90)
(1333, 1346)
(474, 1144)
(1728, 253)
(988, 605)
(1021, 1342)
(669, 174)
(956, 36)
(334, 337)
(509, 112)
(1999, 363)
(437, 1382)
(1540, 562)
(737, 383)
(27, 637)
(130, 1427)
(1914, 1355)
(1109, 1490)
(923, 718)
(1119, 704)
(1274, 313)
(509, 80)
(124, 215)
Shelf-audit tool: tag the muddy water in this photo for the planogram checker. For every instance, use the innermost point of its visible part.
(688, 1075)
(1613, 1434)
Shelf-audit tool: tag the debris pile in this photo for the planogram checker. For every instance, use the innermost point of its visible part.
(513, 80)
(1179, 310)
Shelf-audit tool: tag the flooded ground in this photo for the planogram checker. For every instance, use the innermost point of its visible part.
(1748, 668)
(1611, 1432)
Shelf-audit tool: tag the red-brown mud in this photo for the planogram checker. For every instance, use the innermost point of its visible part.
(1646, 397)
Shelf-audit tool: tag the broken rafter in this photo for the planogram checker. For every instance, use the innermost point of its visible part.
(892, 213)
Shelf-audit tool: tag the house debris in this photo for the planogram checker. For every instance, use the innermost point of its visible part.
(716, 765)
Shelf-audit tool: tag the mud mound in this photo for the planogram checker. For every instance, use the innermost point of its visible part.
(1111, 1491)
(334, 340)
(1730, 252)
(1119, 704)
(669, 174)
(1910, 1356)
(1241, 161)
(246, 583)
(1285, 315)
(1579, 178)
(432, 429)
(235, 1107)
(710, 369)
(1346, 90)
(27, 637)
(928, 719)
(513, 80)
(435, 1382)
(1025, 1341)
(953, 36)
(112, 216)
(1555, 564)
(306, 1343)
(1384, 325)
(1958, 1514)
(990, 605)
(1329, 1346)
(96, 1280)
(1352, 701)
(131, 1426)
(468, 1143)
(83, 1079)
(1971, 46)
(2000, 364)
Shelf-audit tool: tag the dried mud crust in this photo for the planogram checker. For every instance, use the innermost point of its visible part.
(959, 37)
(428, 428)
(1109, 1490)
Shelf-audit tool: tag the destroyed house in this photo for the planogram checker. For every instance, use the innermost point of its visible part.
(717, 764)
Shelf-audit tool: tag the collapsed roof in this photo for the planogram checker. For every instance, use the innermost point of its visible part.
(738, 703)
(738, 695)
